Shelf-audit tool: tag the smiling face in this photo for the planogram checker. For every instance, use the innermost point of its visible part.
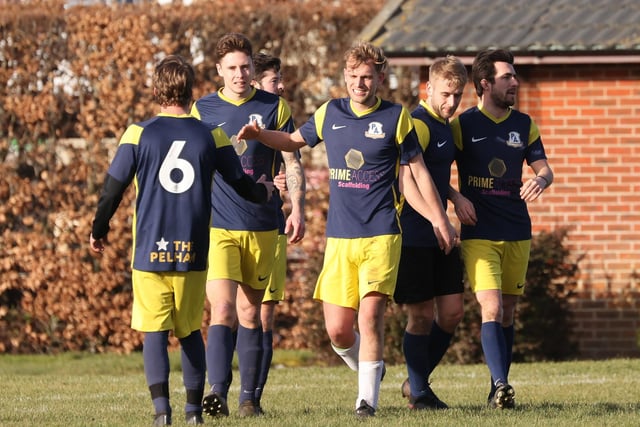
(236, 69)
(362, 82)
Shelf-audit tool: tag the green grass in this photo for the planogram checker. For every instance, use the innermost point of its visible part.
(110, 390)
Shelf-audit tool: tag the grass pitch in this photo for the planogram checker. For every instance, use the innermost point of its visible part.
(110, 390)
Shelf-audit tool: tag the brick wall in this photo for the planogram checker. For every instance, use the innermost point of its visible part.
(589, 118)
(608, 325)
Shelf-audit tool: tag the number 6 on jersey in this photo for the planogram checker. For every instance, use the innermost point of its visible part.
(171, 162)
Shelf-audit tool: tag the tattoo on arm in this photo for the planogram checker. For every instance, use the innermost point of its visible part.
(296, 184)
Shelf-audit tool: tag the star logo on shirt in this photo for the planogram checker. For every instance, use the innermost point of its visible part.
(162, 244)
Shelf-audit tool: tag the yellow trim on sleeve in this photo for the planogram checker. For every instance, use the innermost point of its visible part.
(284, 113)
(405, 125)
(534, 132)
(131, 135)
(424, 134)
(319, 117)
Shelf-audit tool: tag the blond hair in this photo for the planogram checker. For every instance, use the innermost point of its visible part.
(449, 68)
(364, 53)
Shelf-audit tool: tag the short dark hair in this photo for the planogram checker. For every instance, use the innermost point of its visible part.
(484, 66)
(264, 62)
(173, 79)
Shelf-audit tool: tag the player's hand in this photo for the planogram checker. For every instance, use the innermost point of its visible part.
(447, 236)
(280, 181)
(465, 211)
(97, 245)
(532, 189)
(268, 184)
(295, 228)
(250, 131)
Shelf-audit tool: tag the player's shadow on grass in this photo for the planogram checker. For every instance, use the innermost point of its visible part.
(549, 408)
(589, 408)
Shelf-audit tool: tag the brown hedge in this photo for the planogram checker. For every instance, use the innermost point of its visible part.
(84, 72)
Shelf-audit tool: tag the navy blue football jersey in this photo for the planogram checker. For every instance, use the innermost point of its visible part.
(171, 160)
(230, 211)
(364, 152)
(490, 155)
(436, 140)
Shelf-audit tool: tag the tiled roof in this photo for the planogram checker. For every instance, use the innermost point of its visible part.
(532, 27)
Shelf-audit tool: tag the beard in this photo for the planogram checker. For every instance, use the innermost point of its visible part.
(503, 100)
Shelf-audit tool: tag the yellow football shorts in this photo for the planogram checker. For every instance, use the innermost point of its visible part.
(243, 256)
(496, 264)
(354, 267)
(277, 280)
(168, 301)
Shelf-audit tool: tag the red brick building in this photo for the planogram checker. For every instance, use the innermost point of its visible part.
(579, 67)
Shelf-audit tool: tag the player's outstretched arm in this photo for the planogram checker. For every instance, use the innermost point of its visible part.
(278, 140)
(256, 192)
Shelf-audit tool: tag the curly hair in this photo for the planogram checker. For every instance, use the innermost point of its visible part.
(173, 79)
(364, 52)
